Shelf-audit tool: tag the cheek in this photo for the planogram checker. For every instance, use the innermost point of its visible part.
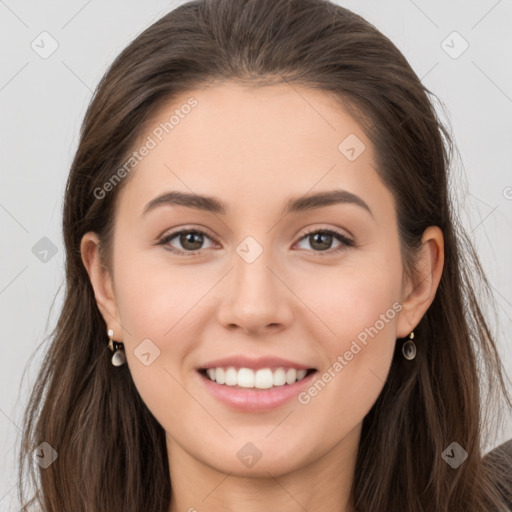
(154, 297)
(366, 314)
(361, 309)
(152, 310)
(155, 313)
(366, 308)
(357, 301)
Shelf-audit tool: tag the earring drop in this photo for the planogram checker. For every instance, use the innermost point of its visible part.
(119, 357)
(409, 347)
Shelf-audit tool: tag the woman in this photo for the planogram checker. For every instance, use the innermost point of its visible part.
(258, 227)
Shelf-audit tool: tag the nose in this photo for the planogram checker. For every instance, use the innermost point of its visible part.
(257, 299)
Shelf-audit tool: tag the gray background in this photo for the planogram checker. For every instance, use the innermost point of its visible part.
(43, 102)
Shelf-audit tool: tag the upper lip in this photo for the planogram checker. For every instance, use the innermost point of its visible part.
(255, 363)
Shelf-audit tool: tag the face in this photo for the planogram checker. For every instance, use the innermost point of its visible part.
(318, 287)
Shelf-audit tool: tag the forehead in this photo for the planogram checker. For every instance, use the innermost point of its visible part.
(256, 116)
(251, 144)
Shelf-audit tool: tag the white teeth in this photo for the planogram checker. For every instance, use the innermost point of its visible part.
(220, 375)
(231, 377)
(291, 375)
(264, 378)
(279, 377)
(245, 378)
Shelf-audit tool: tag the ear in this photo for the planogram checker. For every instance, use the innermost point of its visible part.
(101, 281)
(421, 288)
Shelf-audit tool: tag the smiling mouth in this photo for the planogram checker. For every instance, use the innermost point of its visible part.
(263, 378)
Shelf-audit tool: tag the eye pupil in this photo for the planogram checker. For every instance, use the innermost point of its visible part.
(320, 237)
(189, 237)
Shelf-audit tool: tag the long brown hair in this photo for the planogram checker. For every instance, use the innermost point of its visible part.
(111, 451)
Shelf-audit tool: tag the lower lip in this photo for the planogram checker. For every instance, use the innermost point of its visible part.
(255, 400)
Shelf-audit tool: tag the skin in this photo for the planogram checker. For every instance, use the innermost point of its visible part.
(254, 148)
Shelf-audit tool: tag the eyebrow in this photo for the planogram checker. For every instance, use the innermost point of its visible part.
(214, 205)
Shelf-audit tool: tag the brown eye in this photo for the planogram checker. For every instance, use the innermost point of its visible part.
(191, 241)
(321, 240)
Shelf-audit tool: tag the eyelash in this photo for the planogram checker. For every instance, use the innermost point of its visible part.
(345, 241)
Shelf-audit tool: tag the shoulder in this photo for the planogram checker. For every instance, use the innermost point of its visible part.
(503, 452)
(500, 459)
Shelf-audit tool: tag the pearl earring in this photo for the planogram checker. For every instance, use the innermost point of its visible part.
(409, 347)
(119, 357)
